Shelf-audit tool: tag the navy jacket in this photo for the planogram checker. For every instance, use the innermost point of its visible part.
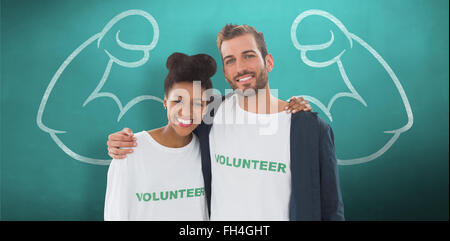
(316, 193)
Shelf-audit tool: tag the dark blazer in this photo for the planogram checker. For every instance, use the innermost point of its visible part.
(316, 193)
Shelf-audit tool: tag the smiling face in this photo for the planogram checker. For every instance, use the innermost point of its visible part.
(243, 65)
(184, 109)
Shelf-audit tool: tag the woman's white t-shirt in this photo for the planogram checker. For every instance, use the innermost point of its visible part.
(156, 182)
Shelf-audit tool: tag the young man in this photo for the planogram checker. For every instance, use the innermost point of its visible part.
(251, 172)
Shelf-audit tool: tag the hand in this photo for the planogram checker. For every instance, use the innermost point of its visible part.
(297, 104)
(123, 138)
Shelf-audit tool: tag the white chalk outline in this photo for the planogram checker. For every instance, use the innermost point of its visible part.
(146, 48)
(353, 93)
(97, 91)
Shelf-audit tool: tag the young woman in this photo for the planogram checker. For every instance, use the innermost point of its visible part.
(162, 179)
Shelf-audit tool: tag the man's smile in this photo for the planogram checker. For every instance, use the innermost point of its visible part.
(245, 78)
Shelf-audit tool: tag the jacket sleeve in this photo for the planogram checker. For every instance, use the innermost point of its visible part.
(332, 206)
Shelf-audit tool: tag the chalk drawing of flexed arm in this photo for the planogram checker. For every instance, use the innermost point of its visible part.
(351, 92)
(92, 42)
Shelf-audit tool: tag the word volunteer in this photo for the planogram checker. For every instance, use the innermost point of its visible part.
(251, 164)
(169, 195)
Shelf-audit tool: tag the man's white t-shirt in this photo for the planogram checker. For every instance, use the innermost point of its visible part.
(250, 164)
(157, 183)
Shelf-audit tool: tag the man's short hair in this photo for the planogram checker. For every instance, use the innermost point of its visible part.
(231, 31)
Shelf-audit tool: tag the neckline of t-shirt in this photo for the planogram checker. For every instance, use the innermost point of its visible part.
(156, 144)
(258, 115)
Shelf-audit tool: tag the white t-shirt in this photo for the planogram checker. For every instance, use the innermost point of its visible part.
(250, 164)
(157, 183)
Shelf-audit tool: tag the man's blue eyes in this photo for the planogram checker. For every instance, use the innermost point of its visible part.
(232, 60)
(229, 61)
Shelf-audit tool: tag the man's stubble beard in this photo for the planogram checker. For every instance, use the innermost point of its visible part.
(261, 83)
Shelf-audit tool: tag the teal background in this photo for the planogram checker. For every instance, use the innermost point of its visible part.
(39, 181)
